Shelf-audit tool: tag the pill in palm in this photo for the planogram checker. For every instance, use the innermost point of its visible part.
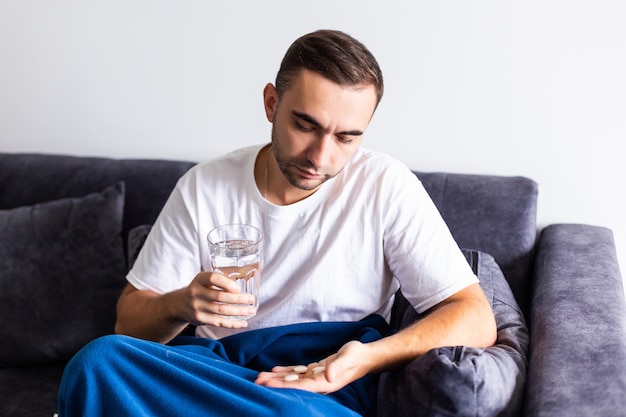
(300, 369)
(291, 377)
(318, 370)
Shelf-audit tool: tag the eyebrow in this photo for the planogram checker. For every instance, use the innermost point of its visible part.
(309, 119)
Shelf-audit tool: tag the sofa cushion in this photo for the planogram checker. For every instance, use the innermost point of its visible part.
(35, 178)
(458, 380)
(30, 390)
(492, 214)
(62, 267)
(136, 238)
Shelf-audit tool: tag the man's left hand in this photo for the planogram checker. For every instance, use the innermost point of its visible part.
(326, 376)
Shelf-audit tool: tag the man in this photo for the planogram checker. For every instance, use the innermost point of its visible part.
(344, 228)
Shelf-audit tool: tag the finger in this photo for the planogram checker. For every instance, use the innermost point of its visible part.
(282, 369)
(266, 376)
(315, 383)
(309, 370)
(222, 282)
(219, 296)
(213, 287)
(227, 324)
(310, 377)
(230, 311)
(330, 373)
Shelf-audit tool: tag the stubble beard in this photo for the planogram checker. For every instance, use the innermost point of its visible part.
(284, 164)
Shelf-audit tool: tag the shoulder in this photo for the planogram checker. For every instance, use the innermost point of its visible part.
(227, 166)
(377, 168)
(236, 160)
(384, 182)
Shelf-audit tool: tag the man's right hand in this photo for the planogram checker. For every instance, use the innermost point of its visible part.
(208, 300)
(212, 297)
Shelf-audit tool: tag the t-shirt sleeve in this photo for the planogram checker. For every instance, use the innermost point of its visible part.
(170, 258)
(419, 248)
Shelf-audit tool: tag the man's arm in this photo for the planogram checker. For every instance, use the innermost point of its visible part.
(464, 318)
(160, 317)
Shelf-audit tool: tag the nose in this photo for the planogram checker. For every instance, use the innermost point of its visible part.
(319, 152)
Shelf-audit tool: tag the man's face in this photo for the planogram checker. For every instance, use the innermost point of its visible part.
(317, 127)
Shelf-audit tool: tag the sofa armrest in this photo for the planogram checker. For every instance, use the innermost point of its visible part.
(577, 361)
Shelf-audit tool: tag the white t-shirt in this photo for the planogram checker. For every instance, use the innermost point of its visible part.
(338, 255)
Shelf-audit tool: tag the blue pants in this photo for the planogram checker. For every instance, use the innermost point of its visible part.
(124, 376)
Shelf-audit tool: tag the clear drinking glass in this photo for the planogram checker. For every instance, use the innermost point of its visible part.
(236, 251)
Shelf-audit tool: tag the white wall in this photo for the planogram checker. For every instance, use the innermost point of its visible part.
(534, 88)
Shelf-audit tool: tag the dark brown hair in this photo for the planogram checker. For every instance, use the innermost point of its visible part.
(336, 56)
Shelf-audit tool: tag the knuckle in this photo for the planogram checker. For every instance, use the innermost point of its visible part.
(217, 295)
(221, 296)
(221, 309)
(195, 317)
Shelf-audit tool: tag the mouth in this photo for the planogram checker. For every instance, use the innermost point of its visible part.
(308, 175)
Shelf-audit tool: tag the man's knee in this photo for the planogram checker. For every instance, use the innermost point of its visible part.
(97, 353)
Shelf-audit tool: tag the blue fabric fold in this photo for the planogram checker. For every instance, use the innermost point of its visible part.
(119, 375)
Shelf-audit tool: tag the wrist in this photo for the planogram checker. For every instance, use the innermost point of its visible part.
(387, 354)
(171, 307)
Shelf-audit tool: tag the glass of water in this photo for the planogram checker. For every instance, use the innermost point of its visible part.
(236, 251)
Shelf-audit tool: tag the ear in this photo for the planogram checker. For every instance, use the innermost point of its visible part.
(270, 101)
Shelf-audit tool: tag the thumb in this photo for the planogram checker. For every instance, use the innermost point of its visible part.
(330, 373)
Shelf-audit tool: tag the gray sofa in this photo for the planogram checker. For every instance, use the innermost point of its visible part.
(70, 226)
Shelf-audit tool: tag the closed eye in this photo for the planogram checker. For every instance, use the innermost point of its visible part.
(344, 140)
(303, 128)
(306, 123)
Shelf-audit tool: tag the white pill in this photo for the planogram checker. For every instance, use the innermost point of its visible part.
(318, 370)
(292, 377)
(300, 369)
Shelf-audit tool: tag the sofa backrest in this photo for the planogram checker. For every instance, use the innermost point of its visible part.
(493, 214)
(27, 179)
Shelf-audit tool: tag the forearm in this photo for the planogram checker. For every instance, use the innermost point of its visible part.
(465, 319)
(148, 315)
